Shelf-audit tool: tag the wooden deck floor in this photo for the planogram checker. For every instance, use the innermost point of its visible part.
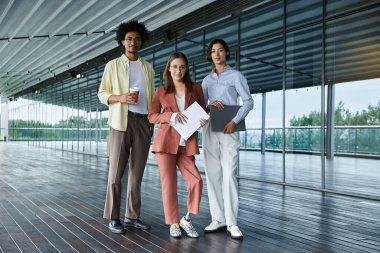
(52, 201)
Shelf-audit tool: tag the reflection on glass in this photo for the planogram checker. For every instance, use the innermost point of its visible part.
(356, 138)
(303, 136)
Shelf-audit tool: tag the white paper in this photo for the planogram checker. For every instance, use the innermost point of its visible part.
(194, 114)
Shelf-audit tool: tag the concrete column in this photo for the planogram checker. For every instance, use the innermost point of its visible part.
(4, 119)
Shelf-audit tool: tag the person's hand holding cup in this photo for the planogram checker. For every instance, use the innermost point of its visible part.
(134, 92)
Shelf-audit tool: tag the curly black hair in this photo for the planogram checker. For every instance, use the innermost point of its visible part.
(131, 26)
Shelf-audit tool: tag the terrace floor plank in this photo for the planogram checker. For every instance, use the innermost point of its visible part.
(52, 201)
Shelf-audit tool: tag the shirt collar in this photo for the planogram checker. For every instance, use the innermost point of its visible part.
(226, 68)
(126, 60)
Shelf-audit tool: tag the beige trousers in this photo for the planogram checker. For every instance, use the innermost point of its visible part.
(127, 146)
(221, 153)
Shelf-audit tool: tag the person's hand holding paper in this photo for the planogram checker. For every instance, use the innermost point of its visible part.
(190, 120)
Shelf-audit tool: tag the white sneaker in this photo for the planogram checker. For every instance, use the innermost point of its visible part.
(215, 226)
(188, 227)
(175, 231)
(234, 232)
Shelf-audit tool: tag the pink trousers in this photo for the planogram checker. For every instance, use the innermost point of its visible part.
(168, 172)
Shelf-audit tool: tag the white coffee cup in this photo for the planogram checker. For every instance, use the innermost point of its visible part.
(134, 90)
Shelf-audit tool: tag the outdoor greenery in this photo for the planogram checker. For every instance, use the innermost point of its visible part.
(72, 128)
(343, 117)
(71, 122)
(354, 132)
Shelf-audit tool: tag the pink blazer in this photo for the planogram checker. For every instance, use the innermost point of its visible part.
(163, 106)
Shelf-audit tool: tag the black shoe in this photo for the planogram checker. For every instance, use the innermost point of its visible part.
(116, 227)
(137, 223)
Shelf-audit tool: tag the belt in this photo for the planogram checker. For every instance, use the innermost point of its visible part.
(137, 115)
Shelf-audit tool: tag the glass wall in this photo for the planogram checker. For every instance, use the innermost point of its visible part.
(352, 58)
(311, 69)
(356, 131)
(302, 97)
(66, 115)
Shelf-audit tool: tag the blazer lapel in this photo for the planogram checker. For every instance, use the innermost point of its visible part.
(188, 98)
(172, 102)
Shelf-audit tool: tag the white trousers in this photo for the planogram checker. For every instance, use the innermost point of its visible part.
(221, 154)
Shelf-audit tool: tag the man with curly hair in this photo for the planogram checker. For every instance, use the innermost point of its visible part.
(127, 88)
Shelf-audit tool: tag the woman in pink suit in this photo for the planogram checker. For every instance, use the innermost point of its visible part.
(170, 148)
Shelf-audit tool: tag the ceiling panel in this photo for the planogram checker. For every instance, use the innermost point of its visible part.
(14, 12)
(43, 38)
(352, 47)
(45, 21)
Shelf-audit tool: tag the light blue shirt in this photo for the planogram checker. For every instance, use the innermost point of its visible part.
(227, 87)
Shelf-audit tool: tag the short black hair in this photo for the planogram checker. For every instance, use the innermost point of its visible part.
(221, 42)
(131, 26)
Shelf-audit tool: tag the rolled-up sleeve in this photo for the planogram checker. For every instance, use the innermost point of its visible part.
(156, 114)
(105, 88)
(242, 89)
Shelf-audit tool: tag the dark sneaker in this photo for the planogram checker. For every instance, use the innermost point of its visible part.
(137, 223)
(116, 227)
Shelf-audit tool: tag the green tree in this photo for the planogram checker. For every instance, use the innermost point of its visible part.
(343, 117)
(313, 119)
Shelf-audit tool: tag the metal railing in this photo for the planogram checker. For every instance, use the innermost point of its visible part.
(363, 140)
(347, 139)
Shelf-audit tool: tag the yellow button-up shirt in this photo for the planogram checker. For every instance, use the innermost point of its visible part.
(115, 81)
